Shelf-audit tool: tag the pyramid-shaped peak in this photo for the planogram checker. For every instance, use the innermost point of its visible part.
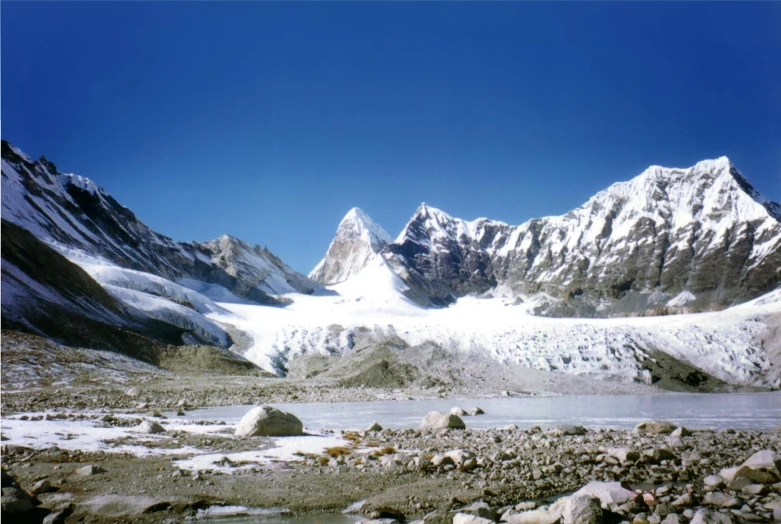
(426, 211)
(358, 241)
(357, 221)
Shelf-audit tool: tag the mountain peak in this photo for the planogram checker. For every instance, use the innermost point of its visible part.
(358, 241)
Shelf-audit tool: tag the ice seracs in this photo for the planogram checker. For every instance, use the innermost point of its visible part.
(357, 243)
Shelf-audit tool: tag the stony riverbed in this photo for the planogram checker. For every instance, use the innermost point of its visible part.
(666, 474)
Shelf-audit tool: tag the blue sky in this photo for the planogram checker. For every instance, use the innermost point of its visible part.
(270, 120)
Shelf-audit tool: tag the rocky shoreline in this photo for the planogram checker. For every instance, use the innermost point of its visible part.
(656, 473)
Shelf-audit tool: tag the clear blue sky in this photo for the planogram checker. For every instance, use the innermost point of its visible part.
(270, 120)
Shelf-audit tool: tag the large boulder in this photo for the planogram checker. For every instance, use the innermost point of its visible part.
(17, 505)
(270, 422)
(766, 458)
(658, 427)
(437, 420)
(582, 510)
(624, 454)
(568, 429)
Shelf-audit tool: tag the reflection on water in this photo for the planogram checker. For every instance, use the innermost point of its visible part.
(693, 410)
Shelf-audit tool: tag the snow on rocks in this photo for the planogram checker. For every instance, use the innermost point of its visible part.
(269, 421)
(149, 426)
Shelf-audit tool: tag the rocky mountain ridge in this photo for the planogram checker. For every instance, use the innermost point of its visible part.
(667, 240)
(73, 214)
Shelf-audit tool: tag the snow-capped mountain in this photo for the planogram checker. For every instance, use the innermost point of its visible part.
(698, 238)
(74, 215)
(46, 294)
(357, 243)
(80, 267)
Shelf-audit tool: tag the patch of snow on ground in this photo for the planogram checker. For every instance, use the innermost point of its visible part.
(286, 449)
(82, 435)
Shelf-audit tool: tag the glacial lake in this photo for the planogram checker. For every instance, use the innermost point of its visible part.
(749, 411)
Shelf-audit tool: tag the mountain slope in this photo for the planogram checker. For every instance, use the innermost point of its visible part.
(45, 294)
(72, 213)
(357, 243)
(700, 237)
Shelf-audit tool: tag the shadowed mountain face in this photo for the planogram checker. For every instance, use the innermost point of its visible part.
(46, 294)
(73, 213)
(669, 239)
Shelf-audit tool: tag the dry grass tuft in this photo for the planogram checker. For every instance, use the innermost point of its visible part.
(352, 436)
(387, 450)
(337, 451)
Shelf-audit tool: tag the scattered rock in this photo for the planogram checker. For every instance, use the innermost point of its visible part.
(713, 481)
(149, 426)
(42, 486)
(717, 498)
(465, 518)
(374, 427)
(608, 492)
(386, 513)
(90, 469)
(59, 515)
(708, 516)
(480, 509)
(624, 454)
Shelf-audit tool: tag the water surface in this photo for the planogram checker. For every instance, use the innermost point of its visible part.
(750, 411)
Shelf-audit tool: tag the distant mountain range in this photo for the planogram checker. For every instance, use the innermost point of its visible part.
(669, 239)
(81, 268)
(696, 238)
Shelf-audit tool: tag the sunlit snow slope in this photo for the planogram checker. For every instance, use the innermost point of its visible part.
(724, 344)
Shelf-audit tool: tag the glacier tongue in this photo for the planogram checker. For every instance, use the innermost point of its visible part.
(372, 307)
